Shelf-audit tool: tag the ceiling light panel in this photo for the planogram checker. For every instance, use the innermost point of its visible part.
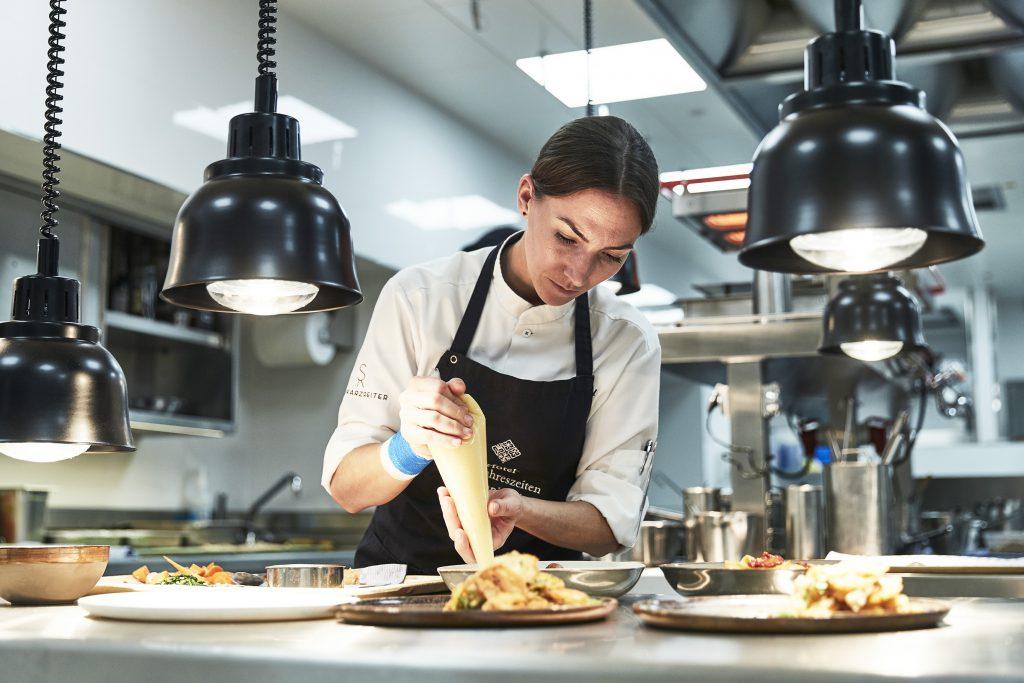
(317, 125)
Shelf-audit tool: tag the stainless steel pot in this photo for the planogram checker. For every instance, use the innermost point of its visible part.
(305, 575)
(22, 514)
(659, 542)
(726, 536)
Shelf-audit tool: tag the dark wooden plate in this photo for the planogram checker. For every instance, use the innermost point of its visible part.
(428, 611)
(765, 614)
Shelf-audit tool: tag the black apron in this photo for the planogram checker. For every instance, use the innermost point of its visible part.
(535, 435)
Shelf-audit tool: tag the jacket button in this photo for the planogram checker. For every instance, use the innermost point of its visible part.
(527, 333)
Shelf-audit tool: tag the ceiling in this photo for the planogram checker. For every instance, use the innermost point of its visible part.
(964, 53)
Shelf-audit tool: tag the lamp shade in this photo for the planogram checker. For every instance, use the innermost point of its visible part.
(58, 385)
(262, 216)
(857, 176)
(871, 318)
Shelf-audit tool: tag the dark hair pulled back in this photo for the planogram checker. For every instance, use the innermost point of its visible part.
(603, 153)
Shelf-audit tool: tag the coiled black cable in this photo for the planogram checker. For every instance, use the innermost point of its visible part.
(267, 37)
(51, 138)
(588, 45)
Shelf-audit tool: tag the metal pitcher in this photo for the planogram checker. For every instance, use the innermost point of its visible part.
(859, 508)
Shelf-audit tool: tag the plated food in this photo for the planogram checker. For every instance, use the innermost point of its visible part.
(833, 598)
(596, 578)
(765, 561)
(210, 575)
(858, 587)
(514, 582)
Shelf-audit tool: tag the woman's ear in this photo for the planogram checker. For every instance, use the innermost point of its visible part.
(525, 194)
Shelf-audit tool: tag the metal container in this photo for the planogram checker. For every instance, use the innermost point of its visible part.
(659, 541)
(724, 536)
(305, 575)
(859, 508)
(22, 514)
(693, 579)
(805, 523)
(698, 499)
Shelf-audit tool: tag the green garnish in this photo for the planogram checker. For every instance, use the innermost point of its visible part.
(184, 580)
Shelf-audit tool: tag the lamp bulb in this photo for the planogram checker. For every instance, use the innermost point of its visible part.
(859, 250)
(871, 351)
(43, 452)
(263, 296)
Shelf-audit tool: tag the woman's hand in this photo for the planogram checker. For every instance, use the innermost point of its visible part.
(432, 413)
(504, 508)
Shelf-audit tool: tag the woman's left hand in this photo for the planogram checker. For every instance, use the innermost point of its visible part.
(505, 507)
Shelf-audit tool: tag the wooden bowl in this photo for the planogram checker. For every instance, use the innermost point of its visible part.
(50, 574)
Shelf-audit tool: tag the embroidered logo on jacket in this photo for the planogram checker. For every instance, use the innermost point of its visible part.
(506, 450)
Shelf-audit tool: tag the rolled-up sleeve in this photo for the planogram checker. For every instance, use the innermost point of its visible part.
(612, 474)
(383, 368)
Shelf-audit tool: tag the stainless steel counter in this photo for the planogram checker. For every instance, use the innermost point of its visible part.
(983, 640)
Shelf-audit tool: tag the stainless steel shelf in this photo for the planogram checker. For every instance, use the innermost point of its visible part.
(168, 423)
(158, 328)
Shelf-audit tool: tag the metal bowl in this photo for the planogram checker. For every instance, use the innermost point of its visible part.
(694, 579)
(50, 574)
(305, 575)
(597, 579)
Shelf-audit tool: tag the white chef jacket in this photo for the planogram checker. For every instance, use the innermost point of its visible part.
(414, 322)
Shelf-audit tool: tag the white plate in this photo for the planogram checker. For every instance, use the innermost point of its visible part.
(213, 603)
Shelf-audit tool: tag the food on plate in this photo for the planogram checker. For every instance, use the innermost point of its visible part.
(765, 561)
(554, 565)
(211, 574)
(851, 586)
(464, 471)
(514, 582)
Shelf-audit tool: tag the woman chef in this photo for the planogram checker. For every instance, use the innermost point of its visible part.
(567, 375)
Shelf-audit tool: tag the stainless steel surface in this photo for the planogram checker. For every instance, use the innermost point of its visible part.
(692, 579)
(859, 509)
(772, 293)
(750, 440)
(805, 522)
(22, 514)
(599, 579)
(698, 499)
(729, 535)
(305, 575)
(964, 586)
(784, 335)
(982, 641)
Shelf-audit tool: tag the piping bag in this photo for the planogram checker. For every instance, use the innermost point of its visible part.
(463, 469)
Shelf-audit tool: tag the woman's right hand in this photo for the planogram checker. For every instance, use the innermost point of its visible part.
(433, 414)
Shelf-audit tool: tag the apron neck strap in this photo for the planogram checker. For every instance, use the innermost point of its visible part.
(474, 310)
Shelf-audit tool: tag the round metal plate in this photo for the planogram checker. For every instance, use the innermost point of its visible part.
(428, 611)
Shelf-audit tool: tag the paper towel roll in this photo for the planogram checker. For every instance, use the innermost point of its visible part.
(289, 341)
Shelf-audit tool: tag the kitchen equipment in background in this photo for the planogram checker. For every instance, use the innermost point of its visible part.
(659, 541)
(22, 514)
(805, 522)
(48, 575)
(61, 392)
(724, 536)
(859, 508)
(872, 318)
(305, 575)
(262, 235)
(911, 206)
(293, 341)
(697, 499)
(934, 520)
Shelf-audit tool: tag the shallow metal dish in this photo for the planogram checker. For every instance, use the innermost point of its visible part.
(597, 579)
(768, 614)
(699, 579)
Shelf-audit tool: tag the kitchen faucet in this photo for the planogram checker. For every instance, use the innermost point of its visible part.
(291, 480)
